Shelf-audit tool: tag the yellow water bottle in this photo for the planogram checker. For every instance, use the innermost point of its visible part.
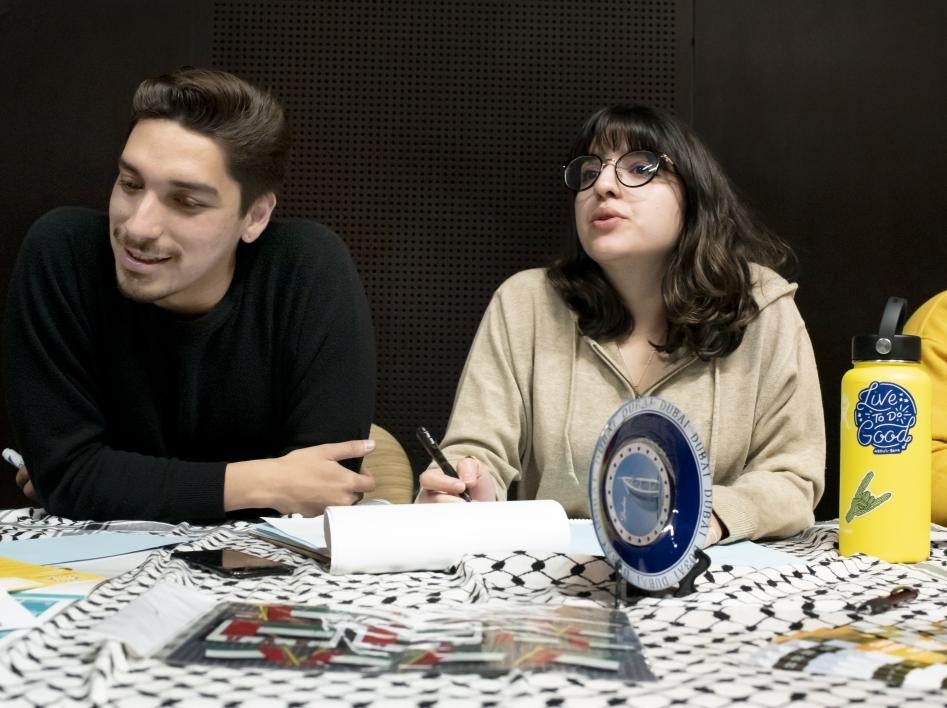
(885, 462)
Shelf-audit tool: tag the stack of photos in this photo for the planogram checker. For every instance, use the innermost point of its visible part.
(489, 640)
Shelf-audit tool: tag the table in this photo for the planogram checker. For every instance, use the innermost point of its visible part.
(701, 648)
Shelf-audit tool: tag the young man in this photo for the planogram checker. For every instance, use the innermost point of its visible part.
(185, 356)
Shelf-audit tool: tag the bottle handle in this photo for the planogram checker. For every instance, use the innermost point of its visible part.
(892, 320)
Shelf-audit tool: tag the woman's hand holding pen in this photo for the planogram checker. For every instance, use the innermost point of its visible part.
(438, 487)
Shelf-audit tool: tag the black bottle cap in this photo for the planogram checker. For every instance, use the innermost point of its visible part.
(889, 344)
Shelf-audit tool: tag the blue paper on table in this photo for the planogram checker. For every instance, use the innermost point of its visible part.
(742, 553)
(79, 547)
(750, 554)
(583, 540)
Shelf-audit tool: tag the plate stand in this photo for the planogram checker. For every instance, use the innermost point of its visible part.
(627, 593)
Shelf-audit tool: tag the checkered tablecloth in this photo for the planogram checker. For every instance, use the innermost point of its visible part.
(702, 648)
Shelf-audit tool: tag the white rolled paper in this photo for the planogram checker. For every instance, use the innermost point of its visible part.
(402, 537)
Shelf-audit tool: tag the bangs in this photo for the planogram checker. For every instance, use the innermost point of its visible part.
(620, 128)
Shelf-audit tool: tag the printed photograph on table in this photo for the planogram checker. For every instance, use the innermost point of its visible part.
(898, 656)
(487, 640)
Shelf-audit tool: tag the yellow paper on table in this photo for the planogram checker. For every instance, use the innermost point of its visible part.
(17, 575)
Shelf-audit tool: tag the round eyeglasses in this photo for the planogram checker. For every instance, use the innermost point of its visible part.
(633, 169)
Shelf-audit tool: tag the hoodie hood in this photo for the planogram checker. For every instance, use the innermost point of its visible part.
(768, 285)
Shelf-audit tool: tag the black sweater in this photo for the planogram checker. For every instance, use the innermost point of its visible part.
(126, 410)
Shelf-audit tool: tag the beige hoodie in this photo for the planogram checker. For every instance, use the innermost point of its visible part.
(535, 394)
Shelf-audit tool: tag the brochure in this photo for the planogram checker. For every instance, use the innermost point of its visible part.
(899, 656)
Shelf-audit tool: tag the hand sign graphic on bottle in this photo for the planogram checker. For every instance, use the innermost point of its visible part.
(863, 501)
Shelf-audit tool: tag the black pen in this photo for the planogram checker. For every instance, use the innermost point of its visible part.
(898, 596)
(430, 444)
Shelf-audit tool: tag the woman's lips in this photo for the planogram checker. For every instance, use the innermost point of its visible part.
(606, 219)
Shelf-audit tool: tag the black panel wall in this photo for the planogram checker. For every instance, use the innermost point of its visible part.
(429, 136)
(830, 117)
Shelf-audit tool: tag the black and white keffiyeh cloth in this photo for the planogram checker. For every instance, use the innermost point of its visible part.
(703, 648)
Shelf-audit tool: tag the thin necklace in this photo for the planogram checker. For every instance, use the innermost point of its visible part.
(634, 384)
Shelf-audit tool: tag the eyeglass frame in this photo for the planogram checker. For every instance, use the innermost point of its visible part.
(614, 163)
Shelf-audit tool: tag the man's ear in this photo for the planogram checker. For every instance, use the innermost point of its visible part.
(258, 216)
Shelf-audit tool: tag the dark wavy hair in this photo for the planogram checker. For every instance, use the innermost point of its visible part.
(707, 286)
(247, 123)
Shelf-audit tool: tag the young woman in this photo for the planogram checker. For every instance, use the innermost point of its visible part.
(671, 291)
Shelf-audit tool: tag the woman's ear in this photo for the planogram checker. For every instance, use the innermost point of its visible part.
(258, 216)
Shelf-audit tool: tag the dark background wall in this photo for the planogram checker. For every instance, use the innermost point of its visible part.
(429, 136)
(829, 115)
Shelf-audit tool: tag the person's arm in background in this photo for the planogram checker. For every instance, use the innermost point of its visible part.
(929, 322)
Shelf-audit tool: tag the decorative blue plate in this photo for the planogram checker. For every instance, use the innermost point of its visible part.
(650, 492)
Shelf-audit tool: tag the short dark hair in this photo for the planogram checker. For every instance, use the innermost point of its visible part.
(707, 288)
(247, 122)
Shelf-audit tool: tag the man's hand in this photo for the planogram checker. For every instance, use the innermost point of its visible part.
(25, 484)
(438, 487)
(303, 481)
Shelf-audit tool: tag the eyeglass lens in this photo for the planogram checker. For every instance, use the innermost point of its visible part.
(633, 169)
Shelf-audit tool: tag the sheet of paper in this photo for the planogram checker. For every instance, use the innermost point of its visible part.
(148, 622)
(309, 531)
(79, 547)
(17, 575)
(41, 606)
(742, 553)
(401, 537)
(583, 541)
(13, 615)
(111, 566)
(305, 531)
(750, 554)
